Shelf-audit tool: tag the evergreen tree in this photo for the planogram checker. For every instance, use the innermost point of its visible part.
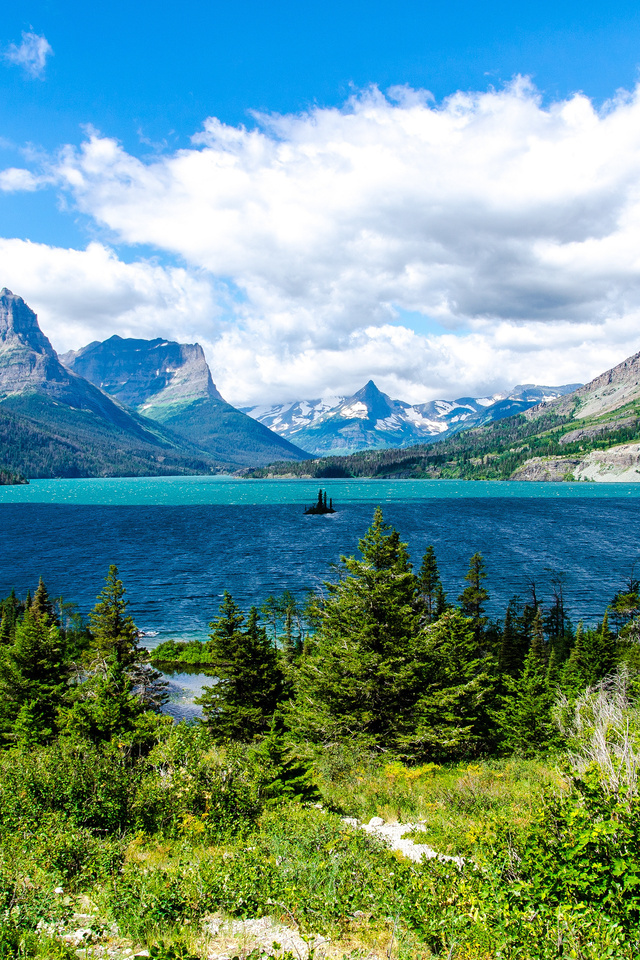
(115, 635)
(594, 656)
(363, 672)
(41, 605)
(250, 684)
(525, 716)
(10, 611)
(33, 678)
(473, 597)
(538, 646)
(289, 777)
(509, 654)
(429, 585)
(451, 718)
(120, 695)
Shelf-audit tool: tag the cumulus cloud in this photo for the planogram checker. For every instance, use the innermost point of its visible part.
(31, 54)
(84, 295)
(512, 226)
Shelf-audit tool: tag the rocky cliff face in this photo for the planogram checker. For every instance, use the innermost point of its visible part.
(30, 366)
(171, 383)
(610, 391)
(27, 359)
(145, 374)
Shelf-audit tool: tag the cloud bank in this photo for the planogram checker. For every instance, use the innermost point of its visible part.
(31, 54)
(511, 227)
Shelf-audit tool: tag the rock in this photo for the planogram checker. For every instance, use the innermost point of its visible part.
(260, 934)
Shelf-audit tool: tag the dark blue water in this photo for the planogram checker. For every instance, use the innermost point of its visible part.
(176, 561)
(180, 542)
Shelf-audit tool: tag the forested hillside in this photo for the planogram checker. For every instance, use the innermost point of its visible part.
(512, 747)
(492, 452)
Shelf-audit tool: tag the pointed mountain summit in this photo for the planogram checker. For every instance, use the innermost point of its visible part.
(171, 383)
(372, 420)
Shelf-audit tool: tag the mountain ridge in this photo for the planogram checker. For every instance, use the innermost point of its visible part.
(370, 419)
(592, 433)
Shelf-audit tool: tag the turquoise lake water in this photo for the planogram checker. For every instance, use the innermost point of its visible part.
(229, 491)
(180, 542)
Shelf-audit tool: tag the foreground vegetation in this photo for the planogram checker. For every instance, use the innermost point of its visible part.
(511, 746)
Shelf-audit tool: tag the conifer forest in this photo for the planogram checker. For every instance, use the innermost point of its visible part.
(507, 748)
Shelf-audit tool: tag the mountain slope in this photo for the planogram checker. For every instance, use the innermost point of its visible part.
(372, 420)
(591, 433)
(55, 423)
(171, 384)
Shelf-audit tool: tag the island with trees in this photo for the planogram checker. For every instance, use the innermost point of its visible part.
(510, 748)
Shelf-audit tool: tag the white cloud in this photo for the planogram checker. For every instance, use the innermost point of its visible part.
(513, 225)
(14, 179)
(84, 295)
(31, 54)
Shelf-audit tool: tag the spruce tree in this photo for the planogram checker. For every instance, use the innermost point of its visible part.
(363, 672)
(242, 703)
(41, 605)
(115, 635)
(452, 715)
(474, 596)
(33, 678)
(429, 585)
(525, 716)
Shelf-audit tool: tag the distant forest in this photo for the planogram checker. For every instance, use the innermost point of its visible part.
(491, 452)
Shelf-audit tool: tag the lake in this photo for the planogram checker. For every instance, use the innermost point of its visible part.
(179, 542)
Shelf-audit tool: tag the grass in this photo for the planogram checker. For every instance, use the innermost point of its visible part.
(299, 872)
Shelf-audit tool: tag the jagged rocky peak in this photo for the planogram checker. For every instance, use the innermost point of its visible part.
(145, 374)
(18, 322)
(27, 359)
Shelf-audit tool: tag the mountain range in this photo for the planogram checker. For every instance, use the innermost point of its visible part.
(164, 415)
(371, 420)
(591, 433)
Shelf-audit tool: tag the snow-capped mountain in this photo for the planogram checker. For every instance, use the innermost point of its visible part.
(372, 420)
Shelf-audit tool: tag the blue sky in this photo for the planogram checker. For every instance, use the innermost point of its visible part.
(465, 306)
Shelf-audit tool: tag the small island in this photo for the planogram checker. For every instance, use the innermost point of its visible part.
(321, 506)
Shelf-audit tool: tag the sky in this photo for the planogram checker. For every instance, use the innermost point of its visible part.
(444, 198)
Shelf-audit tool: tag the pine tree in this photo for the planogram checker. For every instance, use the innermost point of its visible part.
(525, 715)
(594, 656)
(33, 677)
(451, 717)
(509, 659)
(538, 646)
(10, 611)
(474, 596)
(41, 605)
(363, 672)
(242, 703)
(115, 635)
(429, 585)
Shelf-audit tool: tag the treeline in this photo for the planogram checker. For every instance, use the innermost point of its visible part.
(384, 659)
(8, 477)
(78, 446)
(491, 452)
(62, 677)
